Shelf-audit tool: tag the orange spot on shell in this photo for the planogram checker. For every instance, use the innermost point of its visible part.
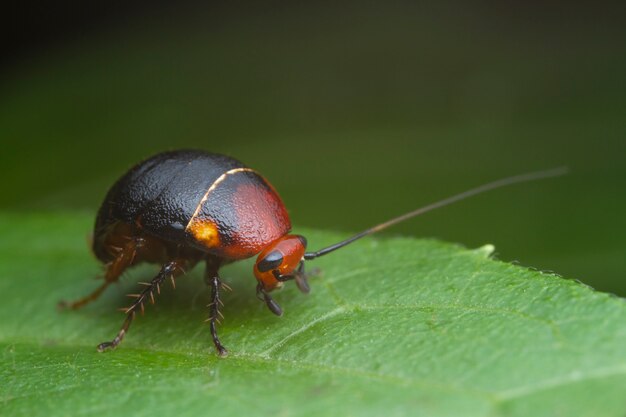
(205, 232)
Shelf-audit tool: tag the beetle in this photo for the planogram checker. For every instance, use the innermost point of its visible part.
(180, 208)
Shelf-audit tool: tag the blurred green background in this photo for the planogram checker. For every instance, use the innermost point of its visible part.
(355, 112)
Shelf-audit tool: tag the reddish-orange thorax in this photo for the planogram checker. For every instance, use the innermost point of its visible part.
(291, 248)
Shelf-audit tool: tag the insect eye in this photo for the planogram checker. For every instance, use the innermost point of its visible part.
(272, 260)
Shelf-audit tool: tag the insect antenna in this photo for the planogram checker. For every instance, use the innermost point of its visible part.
(532, 176)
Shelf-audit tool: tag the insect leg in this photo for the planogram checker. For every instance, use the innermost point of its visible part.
(125, 256)
(170, 269)
(212, 279)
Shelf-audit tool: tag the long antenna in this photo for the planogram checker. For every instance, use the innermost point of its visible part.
(532, 176)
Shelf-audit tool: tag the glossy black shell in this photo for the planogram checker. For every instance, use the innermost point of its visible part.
(163, 193)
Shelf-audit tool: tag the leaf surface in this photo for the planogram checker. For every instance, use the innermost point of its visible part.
(392, 327)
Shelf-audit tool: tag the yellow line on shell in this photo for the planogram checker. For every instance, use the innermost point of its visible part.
(213, 187)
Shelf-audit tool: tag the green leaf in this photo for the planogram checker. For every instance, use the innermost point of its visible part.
(392, 327)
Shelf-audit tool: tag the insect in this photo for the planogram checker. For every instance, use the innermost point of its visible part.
(180, 208)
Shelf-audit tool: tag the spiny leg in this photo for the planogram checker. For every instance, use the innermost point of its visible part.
(81, 302)
(125, 256)
(212, 279)
(168, 270)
